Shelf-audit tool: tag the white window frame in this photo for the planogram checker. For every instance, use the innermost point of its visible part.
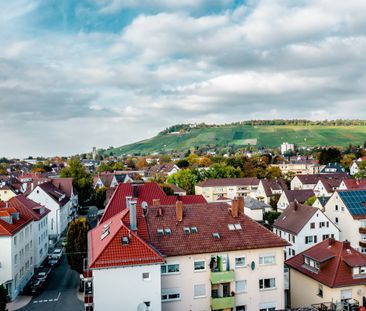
(168, 292)
(167, 268)
(244, 290)
(267, 288)
(262, 259)
(240, 265)
(199, 270)
(194, 291)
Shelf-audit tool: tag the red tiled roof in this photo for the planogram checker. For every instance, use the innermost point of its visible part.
(354, 184)
(299, 195)
(209, 218)
(309, 179)
(224, 182)
(336, 270)
(109, 252)
(294, 217)
(146, 193)
(273, 185)
(29, 207)
(64, 184)
(192, 199)
(55, 193)
(330, 184)
(7, 229)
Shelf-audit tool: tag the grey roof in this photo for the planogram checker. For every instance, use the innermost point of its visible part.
(252, 203)
(323, 200)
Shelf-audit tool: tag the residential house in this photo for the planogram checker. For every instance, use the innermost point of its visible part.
(181, 257)
(39, 214)
(213, 189)
(325, 187)
(353, 184)
(320, 202)
(164, 170)
(331, 273)
(309, 181)
(289, 196)
(178, 190)
(16, 244)
(59, 204)
(270, 188)
(332, 168)
(346, 208)
(254, 208)
(6, 193)
(303, 226)
(354, 169)
(149, 192)
(111, 180)
(299, 165)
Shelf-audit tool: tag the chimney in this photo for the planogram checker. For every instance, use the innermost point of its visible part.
(179, 210)
(235, 208)
(346, 244)
(296, 205)
(135, 191)
(331, 241)
(156, 202)
(133, 218)
(241, 203)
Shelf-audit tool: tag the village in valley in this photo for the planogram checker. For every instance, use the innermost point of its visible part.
(271, 229)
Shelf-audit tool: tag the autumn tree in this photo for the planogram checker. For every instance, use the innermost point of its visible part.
(141, 163)
(77, 243)
(185, 179)
(310, 201)
(100, 197)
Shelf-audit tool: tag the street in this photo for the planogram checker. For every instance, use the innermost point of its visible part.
(60, 291)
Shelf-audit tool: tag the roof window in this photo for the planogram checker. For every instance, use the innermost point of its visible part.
(186, 230)
(167, 231)
(216, 235)
(125, 240)
(194, 229)
(160, 232)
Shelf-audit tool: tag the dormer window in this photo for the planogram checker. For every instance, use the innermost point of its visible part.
(359, 271)
(311, 263)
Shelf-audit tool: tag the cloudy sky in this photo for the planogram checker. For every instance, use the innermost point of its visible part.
(81, 73)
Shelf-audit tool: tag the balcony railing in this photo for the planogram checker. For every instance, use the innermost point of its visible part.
(362, 230)
(222, 277)
(362, 244)
(222, 303)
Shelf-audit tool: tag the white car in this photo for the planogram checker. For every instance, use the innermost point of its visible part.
(57, 253)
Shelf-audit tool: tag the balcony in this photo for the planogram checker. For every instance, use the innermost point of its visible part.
(222, 303)
(362, 244)
(222, 277)
(362, 230)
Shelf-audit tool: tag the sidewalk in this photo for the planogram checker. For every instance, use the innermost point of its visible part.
(19, 302)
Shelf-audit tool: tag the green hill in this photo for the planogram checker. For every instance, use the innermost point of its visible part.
(243, 135)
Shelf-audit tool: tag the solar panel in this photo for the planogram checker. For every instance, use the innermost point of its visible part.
(354, 200)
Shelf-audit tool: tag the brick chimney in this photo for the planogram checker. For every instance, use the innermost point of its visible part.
(331, 241)
(156, 202)
(346, 244)
(235, 208)
(296, 205)
(241, 204)
(179, 210)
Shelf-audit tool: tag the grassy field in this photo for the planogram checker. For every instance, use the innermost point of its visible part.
(263, 136)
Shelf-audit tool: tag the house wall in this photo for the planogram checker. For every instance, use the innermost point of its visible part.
(320, 190)
(307, 294)
(17, 274)
(212, 194)
(6, 195)
(299, 245)
(296, 184)
(282, 203)
(252, 298)
(40, 238)
(124, 288)
(255, 214)
(346, 223)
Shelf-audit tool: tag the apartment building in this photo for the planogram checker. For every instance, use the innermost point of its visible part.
(214, 190)
(206, 256)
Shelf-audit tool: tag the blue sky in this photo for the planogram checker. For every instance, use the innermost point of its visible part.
(77, 74)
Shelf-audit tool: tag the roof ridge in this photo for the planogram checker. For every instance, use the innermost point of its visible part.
(337, 265)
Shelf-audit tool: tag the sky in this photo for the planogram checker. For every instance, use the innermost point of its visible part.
(81, 73)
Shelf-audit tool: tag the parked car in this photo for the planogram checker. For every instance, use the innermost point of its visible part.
(36, 286)
(57, 253)
(41, 276)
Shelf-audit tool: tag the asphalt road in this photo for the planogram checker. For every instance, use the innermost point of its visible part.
(60, 291)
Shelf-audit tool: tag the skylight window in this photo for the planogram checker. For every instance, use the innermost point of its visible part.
(194, 229)
(104, 234)
(237, 226)
(231, 227)
(167, 231)
(160, 232)
(186, 230)
(125, 240)
(216, 235)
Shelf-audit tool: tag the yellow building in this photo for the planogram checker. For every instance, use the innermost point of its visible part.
(330, 273)
(6, 193)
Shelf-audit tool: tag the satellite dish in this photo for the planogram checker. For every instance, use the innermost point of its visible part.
(144, 206)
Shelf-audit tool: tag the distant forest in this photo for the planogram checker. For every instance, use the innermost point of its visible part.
(300, 122)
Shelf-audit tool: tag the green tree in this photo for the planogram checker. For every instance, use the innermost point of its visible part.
(270, 217)
(329, 155)
(182, 163)
(273, 172)
(100, 197)
(77, 243)
(185, 179)
(274, 200)
(310, 201)
(167, 189)
(81, 179)
(361, 170)
(3, 298)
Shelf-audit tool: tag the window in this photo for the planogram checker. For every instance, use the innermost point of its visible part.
(167, 231)
(320, 290)
(125, 240)
(239, 262)
(186, 230)
(293, 239)
(199, 290)
(336, 207)
(216, 235)
(170, 294)
(267, 260)
(267, 307)
(240, 287)
(146, 276)
(169, 268)
(267, 283)
(325, 236)
(15, 241)
(322, 224)
(199, 265)
(231, 227)
(309, 239)
(194, 229)
(312, 225)
(237, 226)
(336, 220)
(160, 232)
(240, 308)
(15, 259)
